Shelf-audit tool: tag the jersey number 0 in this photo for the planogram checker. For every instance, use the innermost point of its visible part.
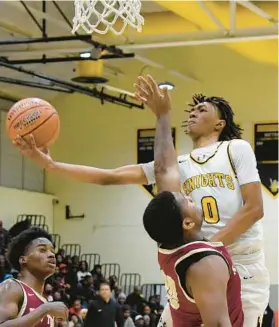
(210, 209)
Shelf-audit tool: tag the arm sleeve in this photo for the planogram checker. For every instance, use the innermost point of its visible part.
(90, 316)
(244, 162)
(148, 169)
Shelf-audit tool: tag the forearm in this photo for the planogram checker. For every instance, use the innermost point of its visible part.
(82, 173)
(164, 152)
(244, 219)
(29, 320)
(165, 160)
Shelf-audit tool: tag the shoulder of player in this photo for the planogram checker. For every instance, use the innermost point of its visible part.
(239, 145)
(210, 266)
(10, 290)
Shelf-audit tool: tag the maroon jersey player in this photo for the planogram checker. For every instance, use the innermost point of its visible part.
(202, 286)
(21, 301)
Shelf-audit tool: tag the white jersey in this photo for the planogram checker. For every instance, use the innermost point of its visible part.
(212, 176)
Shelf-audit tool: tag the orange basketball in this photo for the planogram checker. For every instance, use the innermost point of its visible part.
(33, 116)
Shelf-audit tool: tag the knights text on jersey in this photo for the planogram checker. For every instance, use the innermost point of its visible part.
(174, 264)
(31, 301)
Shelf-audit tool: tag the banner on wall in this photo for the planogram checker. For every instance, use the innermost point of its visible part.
(266, 151)
(145, 151)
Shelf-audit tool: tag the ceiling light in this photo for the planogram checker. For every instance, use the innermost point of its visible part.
(169, 86)
(85, 54)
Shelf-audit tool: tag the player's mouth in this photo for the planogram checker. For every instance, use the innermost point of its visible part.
(52, 263)
(191, 122)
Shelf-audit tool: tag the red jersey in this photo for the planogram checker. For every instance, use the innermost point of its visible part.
(174, 264)
(31, 301)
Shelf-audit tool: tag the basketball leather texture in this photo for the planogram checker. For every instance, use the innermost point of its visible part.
(33, 116)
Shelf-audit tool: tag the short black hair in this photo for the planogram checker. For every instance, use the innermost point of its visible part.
(162, 219)
(19, 244)
(231, 130)
(104, 282)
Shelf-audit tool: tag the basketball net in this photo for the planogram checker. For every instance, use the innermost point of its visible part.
(100, 16)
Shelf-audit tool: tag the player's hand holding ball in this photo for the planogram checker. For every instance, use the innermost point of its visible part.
(33, 125)
(148, 92)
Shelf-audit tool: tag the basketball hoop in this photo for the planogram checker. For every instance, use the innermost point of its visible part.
(100, 16)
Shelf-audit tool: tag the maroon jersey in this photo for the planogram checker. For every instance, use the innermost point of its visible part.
(31, 301)
(174, 264)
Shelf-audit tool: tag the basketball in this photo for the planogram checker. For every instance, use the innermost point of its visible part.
(33, 116)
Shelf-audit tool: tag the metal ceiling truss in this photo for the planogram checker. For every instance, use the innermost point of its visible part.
(51, 83)
(58, 85)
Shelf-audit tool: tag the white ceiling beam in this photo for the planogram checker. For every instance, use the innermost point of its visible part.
(220, 40)
(210, 14)
(232, 29)
(256, 10)
(193, 38)
(11, 28)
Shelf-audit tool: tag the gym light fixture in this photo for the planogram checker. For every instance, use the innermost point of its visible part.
(167, 85)
(85, 54)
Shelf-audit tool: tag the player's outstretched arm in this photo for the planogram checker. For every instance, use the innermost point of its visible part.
(165, 160)
(207, 281)
(131, 174)
(11, 296)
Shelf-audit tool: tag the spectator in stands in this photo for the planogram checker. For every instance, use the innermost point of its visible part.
(75, 321)
(48, 292)
(97, 275)
(113, 282)
(62, 253)
(157, 301)
(158, 315)
(83, 271)
(59, 259)
(121, 299)
(139, 321)
(75, 260)
(4, 238)
(68, 260)
(135, 299)
(117, 291)
(147, 320)
(57, 296)
(149, 316)
(75, 308)
(104, 312)
(83, 313)
(86, 289)
(128, 321)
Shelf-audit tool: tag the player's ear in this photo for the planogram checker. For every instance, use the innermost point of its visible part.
(219, 126)
(187, 223)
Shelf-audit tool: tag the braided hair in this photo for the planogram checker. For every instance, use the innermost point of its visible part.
(231, 130)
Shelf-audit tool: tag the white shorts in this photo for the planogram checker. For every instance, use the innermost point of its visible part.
(255, 284)
(254, 290)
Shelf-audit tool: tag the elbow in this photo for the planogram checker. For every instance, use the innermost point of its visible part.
(258, 213)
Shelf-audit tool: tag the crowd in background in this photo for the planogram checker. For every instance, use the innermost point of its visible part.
(78, 287)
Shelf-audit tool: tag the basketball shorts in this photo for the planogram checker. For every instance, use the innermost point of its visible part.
(255, 284)
(254, 290)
